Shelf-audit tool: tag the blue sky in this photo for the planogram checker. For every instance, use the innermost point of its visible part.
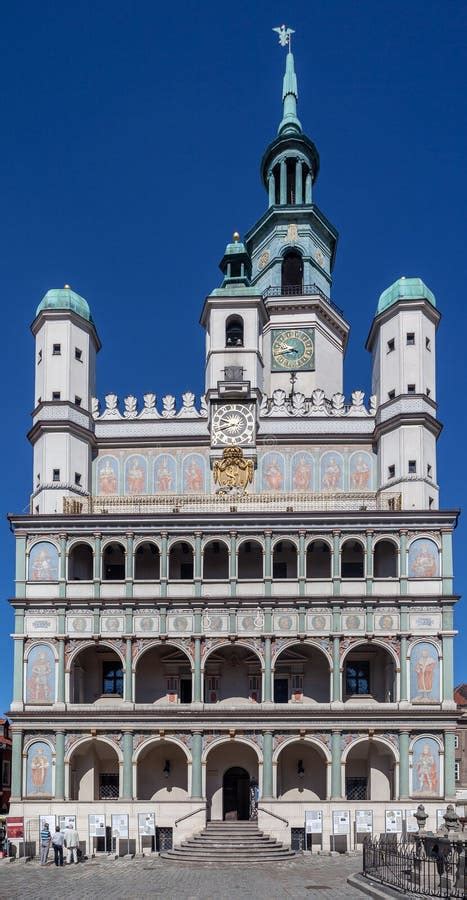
(130, 143)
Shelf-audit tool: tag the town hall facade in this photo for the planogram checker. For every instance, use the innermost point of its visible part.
(240, 606)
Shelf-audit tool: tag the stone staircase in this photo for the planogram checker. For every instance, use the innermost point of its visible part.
(230, 843)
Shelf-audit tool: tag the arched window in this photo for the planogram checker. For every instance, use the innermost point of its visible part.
(352, 560)
(234, 331)
(113, 563)
(284, 563)
(181, 562)
(292, 272)
(385, 560)
(80, 563)
(147, 563)
(318, 560)
(250, 560)
(216, 561)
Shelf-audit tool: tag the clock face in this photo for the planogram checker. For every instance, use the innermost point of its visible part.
(233, 424)
(293, 348)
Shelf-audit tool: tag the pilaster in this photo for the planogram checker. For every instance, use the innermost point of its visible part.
(267, 765)
(16, 764)
(127, 788)
(336, 772)
(196, 766)
(60, 765)
(449, 770)
(404, 739)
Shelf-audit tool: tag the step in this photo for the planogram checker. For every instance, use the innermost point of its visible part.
(181, 859)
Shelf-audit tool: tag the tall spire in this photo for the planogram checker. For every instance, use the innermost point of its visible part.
(290, 123)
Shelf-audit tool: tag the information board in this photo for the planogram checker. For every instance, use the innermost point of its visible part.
(96, 825)
(146, 824)
(14, 827)
(440, 818)
(411, 825)
(393, 821)
(67, 822)
(120, 825)
(341, 821)
(314, 821)
(50, 820)
(364, 821)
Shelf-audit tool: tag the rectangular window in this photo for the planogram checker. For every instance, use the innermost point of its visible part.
(281, 690)
(39, 399)
(410, 339)
(77, 478)
(428, 470)
(279, 570)
(412, 467)
(356, 788)
(391, 345)
(56, 475)
(456, 741)
(57, 350)
(391, 471)
(112, 678)
(411, 389)
(108, 787)
(457, 771)
(428, 392)
(39, 357)
(77, 400)
(357, 678)
(38, 478)
(56, 395)
(430, 502)
(428, 343)
(78, 354)
(391, 394)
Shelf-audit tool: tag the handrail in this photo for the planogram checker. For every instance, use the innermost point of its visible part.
(192, 813)
(300, 290)
(268, 811)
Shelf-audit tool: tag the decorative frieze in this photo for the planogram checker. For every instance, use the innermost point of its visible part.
(282, 404)
(187, 410)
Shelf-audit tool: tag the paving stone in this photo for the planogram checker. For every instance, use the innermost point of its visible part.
(311, 876)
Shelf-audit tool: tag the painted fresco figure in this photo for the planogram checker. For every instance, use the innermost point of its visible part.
(39, 769)
(107, 479)
(42, 566)
(425, 667)
(427, 771)
(41, 671)
(194, 480)
(163, 477)
(424, 563)
(360, 476)
(332, 475)
(273, 477)
(136, 477)
(302, 475)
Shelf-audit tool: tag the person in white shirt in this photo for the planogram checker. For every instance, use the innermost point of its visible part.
(72, 844)
(57, 843)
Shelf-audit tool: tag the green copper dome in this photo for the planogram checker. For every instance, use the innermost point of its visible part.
(405, 289)
(65, 298)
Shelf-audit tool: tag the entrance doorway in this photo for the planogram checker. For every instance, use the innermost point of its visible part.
(236, 794)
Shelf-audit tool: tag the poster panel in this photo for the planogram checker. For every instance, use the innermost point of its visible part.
(146, 824)
(50, 822)
(393, 821)
(14, 827)
(66, 822)
(96, 825)
(411, 826)
(341, 821)
(314, 821)
(119, 825)
(440, 818)
(364, 821)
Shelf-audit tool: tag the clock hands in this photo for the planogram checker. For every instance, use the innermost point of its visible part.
(286, 348)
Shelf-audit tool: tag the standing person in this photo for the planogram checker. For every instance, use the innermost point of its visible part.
(44, 840)
(58, 840)
(72, 844)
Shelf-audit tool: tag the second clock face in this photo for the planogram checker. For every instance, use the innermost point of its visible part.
(293, 348)
(233, 423)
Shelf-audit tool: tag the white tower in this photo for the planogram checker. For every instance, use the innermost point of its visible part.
(65, 369)
(402, 343)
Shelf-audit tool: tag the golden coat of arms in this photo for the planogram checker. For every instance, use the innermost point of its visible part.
(233, 472)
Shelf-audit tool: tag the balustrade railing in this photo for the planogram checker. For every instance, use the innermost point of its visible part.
(428, 865)
(221, 503)
(300, 290)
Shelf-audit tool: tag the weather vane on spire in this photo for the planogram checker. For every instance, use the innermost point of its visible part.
(285, 36)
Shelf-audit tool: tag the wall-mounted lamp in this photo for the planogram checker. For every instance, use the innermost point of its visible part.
(300, 769)
(166, 769)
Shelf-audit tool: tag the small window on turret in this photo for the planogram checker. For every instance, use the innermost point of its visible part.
(39, 357)
(391, 471)
(57, 350)
(56, 475)
(428, 343)
(78, 400)
(391, 345)
(234, 331)
(391, 394)
(78, 354)
(412, 467)
(78, 478)
(410, 338)
(56, 395)
(429, 470)
(411, 389)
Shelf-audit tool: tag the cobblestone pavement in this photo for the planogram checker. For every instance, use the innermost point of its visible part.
(313, 877)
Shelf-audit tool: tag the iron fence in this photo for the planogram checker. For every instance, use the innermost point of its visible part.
(430, 866)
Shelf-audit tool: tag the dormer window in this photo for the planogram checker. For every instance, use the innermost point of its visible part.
(234, 331)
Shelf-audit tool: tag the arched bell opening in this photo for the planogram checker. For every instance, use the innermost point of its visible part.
(292, 272)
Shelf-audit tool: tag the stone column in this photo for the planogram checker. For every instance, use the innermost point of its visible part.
(128, 671)
(336, 564)
(61, 671)
(233, 563)
(336, 775)
(267, 563)
(18, 656)
(60, 765)
(164, 568)
(267, 765)
(127, 787)
(301, 563)
(62, 572)
(336, 670)
(369, 562)
(449, 760)
(283, 183)
(403, 669)
(404, 738)
(16, 765)
(97, 565)
(403, 562)
(272, 189)
(308, 189)
(267, 670)
(129, 565)
(196, 766)
(197, 686)
(298, 182)
(197, 564)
